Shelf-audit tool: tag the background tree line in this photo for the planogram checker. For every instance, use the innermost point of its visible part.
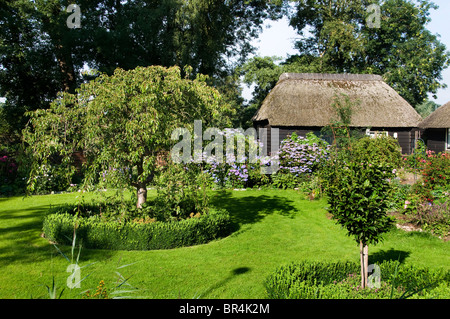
(40, 56)
(334, 36)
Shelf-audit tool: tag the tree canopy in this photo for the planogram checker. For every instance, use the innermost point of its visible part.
(122, 123)
(336, 36)
(40, 56)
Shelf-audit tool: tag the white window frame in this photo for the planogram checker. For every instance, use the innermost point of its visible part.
(375, 134)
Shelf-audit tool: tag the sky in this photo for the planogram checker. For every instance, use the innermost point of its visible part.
(278, 39)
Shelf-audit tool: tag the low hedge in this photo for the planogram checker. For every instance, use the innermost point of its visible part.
(94, 232)
(341, 280)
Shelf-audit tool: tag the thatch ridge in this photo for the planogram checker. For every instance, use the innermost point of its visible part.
(438, 119)
(305, 99)
(330, 76)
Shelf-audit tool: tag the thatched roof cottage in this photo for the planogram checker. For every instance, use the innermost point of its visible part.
(437, 129)
(303, 102)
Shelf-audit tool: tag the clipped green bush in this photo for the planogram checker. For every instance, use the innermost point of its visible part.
(301, 279)
(340, 280)
(381, 150)
(93, 232)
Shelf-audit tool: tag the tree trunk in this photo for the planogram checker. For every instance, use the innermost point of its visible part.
(141, 195)
(62, 52)
(141, 185)
(68, 74)
(366, 265)
(364, 259)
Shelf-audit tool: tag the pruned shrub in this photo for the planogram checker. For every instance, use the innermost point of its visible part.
(138, 234)
(380, 150)
(298, 280)
(340, 280)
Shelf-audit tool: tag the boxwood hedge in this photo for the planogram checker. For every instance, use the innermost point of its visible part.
(94, 232)
(341, 280)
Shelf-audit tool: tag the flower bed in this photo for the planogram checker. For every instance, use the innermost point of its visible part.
(427, 205)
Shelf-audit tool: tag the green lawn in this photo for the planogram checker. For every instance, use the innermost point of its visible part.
(273, 227)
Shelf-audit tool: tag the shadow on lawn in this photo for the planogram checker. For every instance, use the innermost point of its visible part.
(252, 209)
(234, 273)
(389, 255)
(4, 199)
(21, 241)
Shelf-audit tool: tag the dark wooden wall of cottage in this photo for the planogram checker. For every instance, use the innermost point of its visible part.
(405, 136)
(283, 132)
(435, 139)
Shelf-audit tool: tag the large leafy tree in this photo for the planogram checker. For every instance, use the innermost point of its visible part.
(29, 74)
(40, 55)
(201, 33)
(336, 36)
(330, 30)
(122, 122)
(410, 58)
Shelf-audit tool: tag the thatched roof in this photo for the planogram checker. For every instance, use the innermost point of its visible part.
(438, 119)
(305, 99)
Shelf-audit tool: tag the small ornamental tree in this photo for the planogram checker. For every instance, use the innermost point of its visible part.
(122, 123)
(358, 190)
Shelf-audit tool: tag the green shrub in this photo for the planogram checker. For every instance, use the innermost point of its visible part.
(286, 180)
(181, 190)
(241, 167)
(302, 156)
(412, 278)
(427, 204)
(435, 178)
(381, 150)
(417, 159)
(437, 171)
(399, 196)
(51, 178)
(144, 234)
(299, 279)
(433, 217)
(341, 280)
